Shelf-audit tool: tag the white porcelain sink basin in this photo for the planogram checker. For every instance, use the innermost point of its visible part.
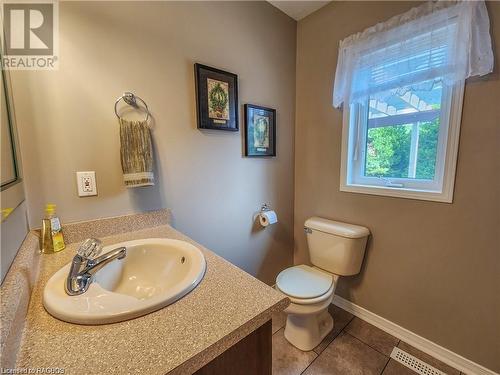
(155, 273)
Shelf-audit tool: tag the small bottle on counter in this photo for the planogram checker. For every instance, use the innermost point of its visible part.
(51, 238)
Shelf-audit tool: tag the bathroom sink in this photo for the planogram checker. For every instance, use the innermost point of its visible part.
(155, 273)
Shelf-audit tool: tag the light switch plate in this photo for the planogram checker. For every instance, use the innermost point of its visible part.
(86, 183)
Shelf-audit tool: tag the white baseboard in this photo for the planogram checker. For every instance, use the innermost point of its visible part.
(427, 346)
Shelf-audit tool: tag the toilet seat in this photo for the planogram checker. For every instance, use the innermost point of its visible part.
(312, 301)
(305, 285)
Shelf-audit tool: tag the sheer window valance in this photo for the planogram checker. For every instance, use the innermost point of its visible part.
(437, 41)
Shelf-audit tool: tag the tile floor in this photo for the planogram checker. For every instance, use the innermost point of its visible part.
(353, 347)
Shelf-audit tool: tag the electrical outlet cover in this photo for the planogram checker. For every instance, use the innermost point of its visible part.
(86, 183)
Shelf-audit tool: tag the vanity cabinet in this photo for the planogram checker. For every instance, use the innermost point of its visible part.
(252, 355)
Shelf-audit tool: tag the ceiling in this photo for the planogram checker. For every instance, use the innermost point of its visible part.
(298, 9)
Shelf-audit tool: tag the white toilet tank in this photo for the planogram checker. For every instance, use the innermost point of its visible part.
(336, 247)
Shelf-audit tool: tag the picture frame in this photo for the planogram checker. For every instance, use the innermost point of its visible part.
(260, 131)
(216, 98)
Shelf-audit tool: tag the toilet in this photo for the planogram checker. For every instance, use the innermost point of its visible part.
(335, 249)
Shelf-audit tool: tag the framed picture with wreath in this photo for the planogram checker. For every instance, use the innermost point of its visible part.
(216, 98)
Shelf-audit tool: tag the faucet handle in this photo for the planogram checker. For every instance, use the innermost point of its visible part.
(90, 248)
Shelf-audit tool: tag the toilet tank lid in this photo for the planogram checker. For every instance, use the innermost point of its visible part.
(336, 227)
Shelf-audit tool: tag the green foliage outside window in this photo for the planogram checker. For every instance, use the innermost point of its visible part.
(388, 151)
(427, 150)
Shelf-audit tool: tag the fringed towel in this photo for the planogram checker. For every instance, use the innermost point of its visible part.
(136, 153)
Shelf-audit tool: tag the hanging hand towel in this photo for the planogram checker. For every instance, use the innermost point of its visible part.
(136, 153)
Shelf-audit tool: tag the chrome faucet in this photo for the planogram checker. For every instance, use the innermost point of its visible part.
(86, 263)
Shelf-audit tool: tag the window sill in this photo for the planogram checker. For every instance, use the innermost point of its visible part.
(426, 195)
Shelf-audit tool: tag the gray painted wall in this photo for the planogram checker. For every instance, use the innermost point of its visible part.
(67, 124)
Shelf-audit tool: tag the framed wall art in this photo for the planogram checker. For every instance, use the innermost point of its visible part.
(260, 131)
(216, 98)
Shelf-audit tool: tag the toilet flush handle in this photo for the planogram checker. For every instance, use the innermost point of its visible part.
(308, 230)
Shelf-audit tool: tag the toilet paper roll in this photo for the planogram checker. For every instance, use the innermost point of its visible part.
(267, 218)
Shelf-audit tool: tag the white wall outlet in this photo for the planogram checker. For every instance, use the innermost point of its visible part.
(86, 183)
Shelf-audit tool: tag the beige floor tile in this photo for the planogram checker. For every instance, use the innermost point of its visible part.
(340, 319)
(373, 336)
(396, 368)
(278, 322)
(427, 358)
(346, 355)
(287, 359)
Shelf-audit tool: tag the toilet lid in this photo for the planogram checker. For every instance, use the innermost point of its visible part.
(304, 282)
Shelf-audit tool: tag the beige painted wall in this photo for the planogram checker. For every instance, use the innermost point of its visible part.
(66, 120)
(433, 268)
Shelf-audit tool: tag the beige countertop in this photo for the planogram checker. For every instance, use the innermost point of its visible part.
(225, 307)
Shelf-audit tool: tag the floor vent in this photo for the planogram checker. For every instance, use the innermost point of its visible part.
(420, 367)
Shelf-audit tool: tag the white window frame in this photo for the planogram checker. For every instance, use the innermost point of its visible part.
(440, 190)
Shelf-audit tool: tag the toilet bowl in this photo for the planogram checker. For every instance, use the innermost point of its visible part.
(336, 249)
(310, 291)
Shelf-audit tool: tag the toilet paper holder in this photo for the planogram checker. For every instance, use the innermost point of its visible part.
(266, 216)
(265, 207)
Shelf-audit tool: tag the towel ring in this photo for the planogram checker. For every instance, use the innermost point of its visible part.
(131, 99)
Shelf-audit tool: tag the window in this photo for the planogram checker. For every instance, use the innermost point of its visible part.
(402, 89)
(398, 140)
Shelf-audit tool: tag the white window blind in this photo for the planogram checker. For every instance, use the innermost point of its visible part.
(418, 58)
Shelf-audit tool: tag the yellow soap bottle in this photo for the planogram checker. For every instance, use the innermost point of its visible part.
(51, 239)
